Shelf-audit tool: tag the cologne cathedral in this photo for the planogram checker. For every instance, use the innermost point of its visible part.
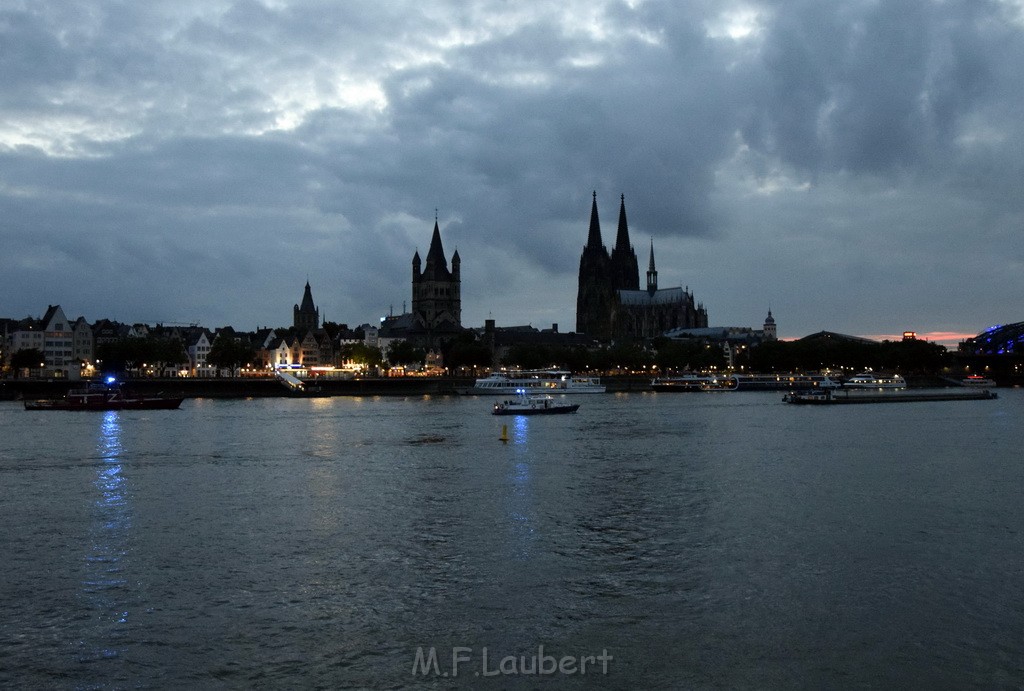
(610, 304)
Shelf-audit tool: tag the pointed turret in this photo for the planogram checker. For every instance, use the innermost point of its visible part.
(652, 273)
(594, 236)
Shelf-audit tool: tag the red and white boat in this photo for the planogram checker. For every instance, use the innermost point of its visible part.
(106, 396)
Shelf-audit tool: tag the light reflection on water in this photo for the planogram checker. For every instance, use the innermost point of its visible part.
(104, 582)
(707, 541)
(521, 490)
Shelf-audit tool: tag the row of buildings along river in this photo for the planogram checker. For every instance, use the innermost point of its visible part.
(611, 306)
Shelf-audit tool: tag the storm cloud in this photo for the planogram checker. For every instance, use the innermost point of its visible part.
(856, 166)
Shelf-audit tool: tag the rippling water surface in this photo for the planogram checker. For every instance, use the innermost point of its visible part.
(697, 539)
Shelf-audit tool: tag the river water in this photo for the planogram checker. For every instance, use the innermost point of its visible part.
(648, 541)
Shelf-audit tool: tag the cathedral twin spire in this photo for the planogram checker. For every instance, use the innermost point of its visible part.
(622, 266)
(601, 274)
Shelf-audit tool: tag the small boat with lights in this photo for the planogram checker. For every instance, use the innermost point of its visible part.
(541, 404)
(109, 395)
(539, 381)
(977, 380)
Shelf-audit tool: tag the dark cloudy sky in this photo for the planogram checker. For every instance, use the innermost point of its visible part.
(857, 165)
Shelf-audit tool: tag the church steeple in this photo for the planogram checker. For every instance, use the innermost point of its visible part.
(435, 255)
(625, 270)
(770, 332)
(594, 236)
(595, 292)
(622, 236)
(307, 299)
(652, 273)
(305, 315)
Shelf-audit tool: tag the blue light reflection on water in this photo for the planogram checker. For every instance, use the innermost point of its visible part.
(521, 500)
(105, 586)
(706, 541)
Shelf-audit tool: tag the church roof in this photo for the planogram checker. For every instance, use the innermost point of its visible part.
(435, 255)
(307, 300)
(398, 326)
(663, 296)
(820, 335)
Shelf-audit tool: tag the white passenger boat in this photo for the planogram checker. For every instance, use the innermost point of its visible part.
(536, 381)
(542, 404)
(871, 380)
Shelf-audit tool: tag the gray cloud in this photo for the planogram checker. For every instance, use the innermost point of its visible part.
(855, 164)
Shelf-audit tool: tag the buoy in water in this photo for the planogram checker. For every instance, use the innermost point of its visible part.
(504, 433)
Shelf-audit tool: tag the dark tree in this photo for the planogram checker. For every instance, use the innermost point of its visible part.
(230, 354)
(27, 358)
(405, 353)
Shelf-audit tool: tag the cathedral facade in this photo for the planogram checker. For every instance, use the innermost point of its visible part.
(610, 304)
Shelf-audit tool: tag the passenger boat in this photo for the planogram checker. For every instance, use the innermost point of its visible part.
(540, 381)
(687, 382)
(870, 380)
(106, 396)
(683, 382)
(977, 380)
(783, 382)
(695, 382)
(542, 404)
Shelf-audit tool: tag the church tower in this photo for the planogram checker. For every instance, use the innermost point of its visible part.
(769, 327)
(306, 316)
(652, 273)
(595, 294)
(436, 291)
(625, 270)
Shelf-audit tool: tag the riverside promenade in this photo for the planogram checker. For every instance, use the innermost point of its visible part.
(267, 387)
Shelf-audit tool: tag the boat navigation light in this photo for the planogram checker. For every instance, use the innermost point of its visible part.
(111, 379)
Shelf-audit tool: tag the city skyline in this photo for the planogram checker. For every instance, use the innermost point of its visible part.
(853, 166)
